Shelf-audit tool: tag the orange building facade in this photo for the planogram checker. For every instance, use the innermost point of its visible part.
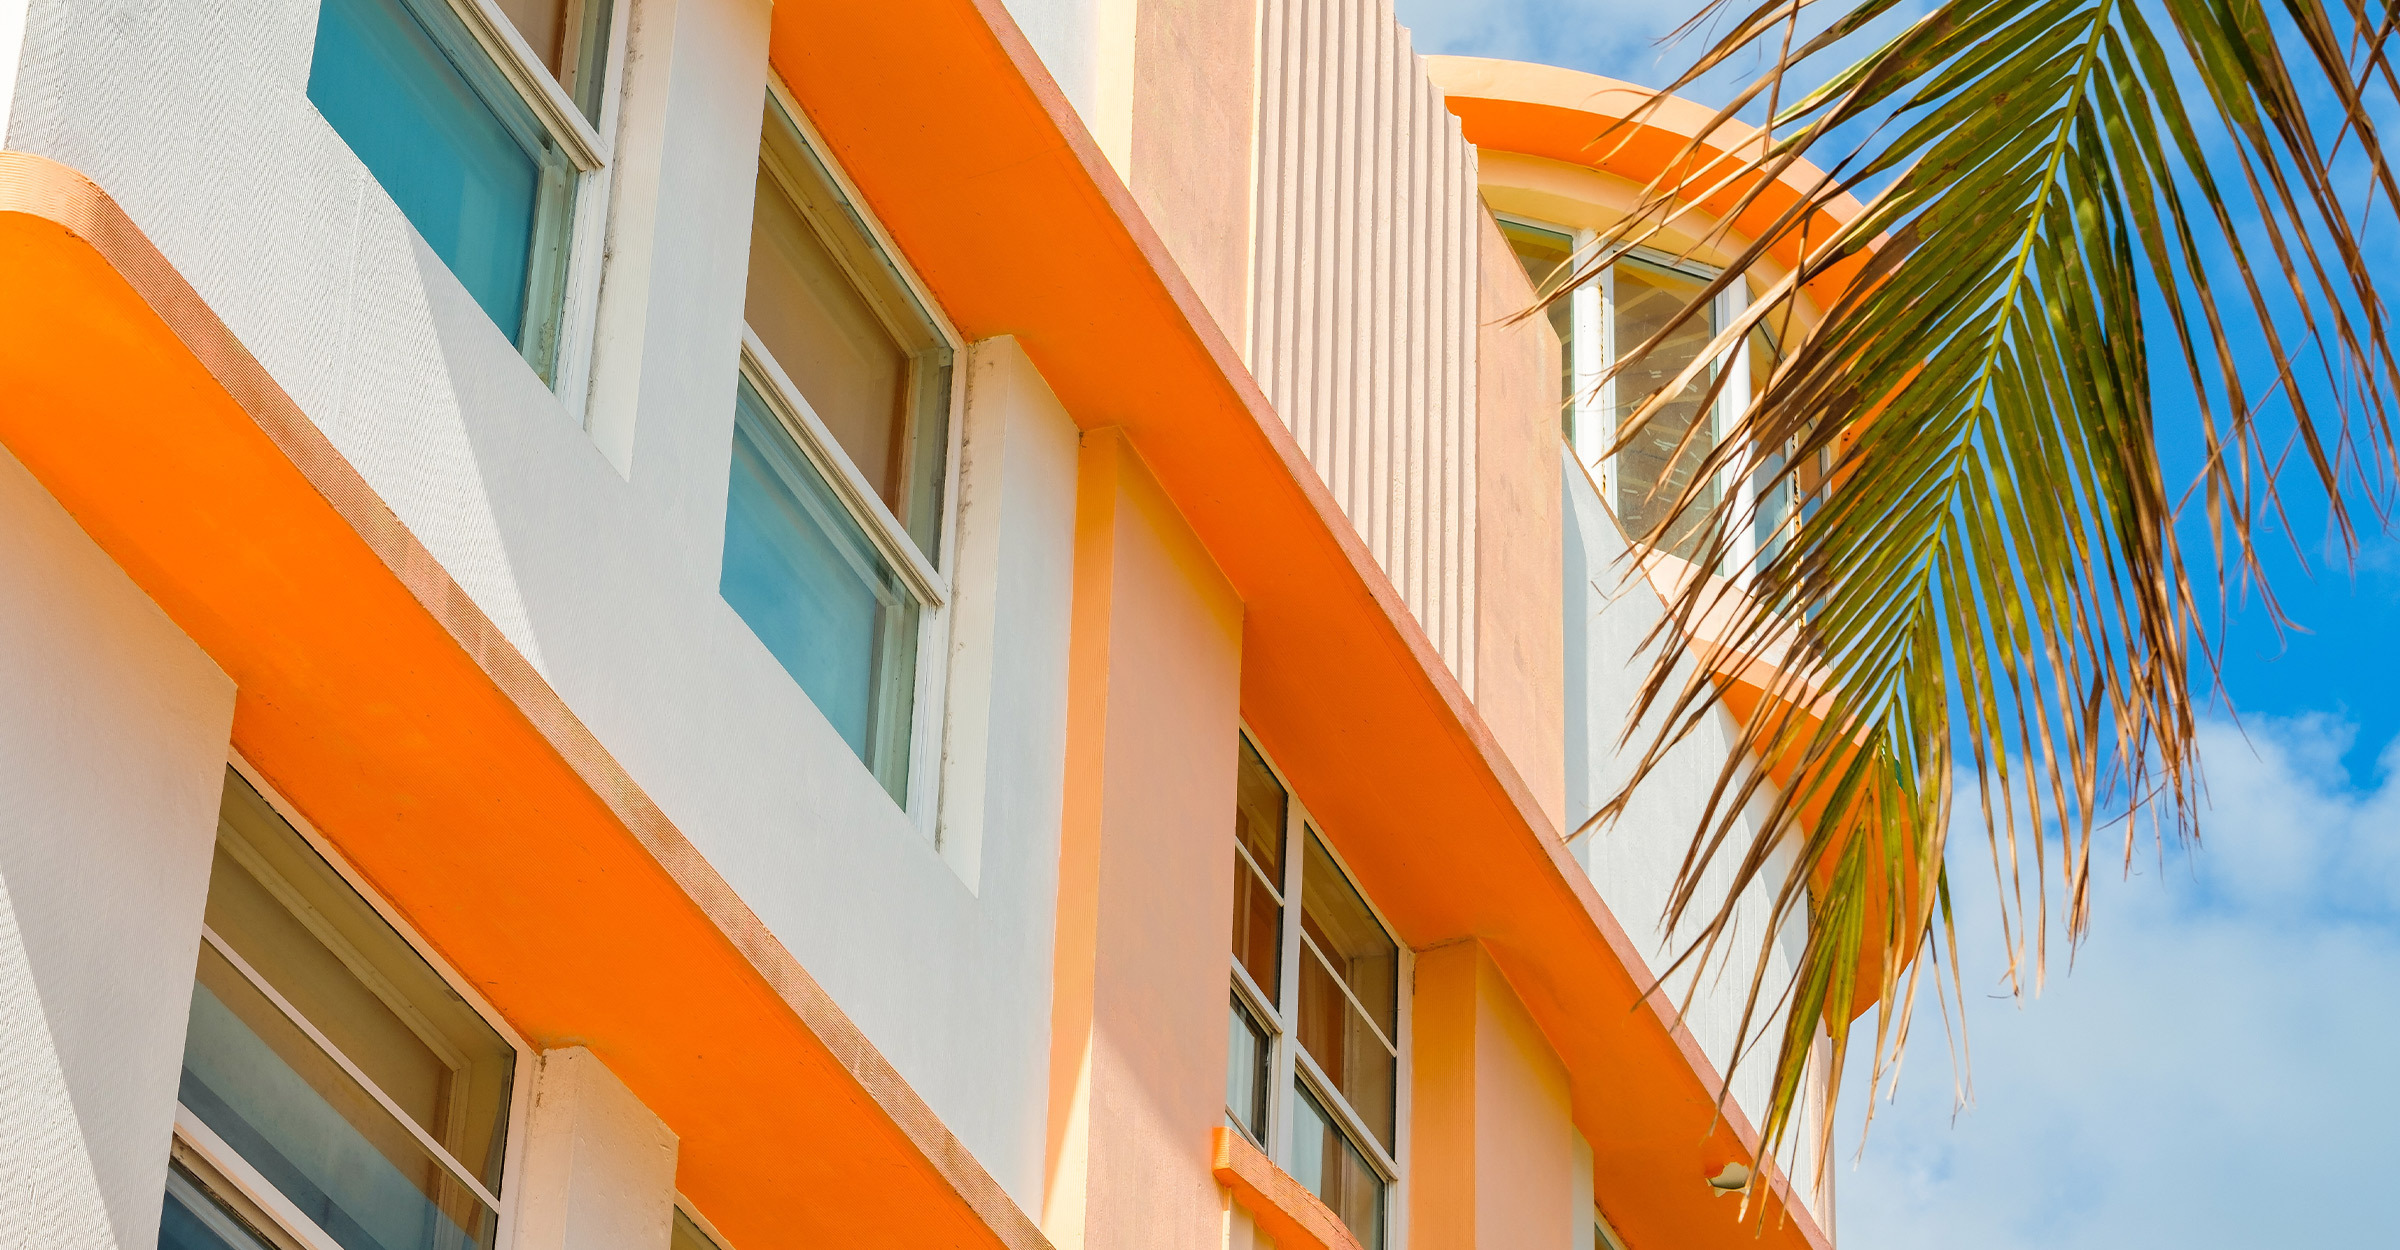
(703, 623)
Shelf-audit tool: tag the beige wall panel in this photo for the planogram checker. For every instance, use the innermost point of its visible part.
(599, 1169)
(1194, 87)
(1145, 872)
(1362, 326)
(1492, 1156)
(1520, 630)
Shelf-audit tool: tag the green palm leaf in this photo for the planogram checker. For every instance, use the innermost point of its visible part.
(1998, 573)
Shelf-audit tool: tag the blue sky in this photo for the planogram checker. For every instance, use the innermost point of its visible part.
(2214, 1069)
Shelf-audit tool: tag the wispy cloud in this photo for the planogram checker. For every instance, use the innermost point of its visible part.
(2215, 1071)
(1617, 38)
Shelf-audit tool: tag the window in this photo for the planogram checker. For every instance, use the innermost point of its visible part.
(688, 1234)
(842, 420)
(481, 119)
(336, 1091)
(1548, 257)
(1655, 470)
(1314, 1061)
(1784, 499)
(1628, 303)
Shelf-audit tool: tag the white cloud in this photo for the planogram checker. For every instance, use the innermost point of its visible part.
(2217, 1070)
(1611, 37)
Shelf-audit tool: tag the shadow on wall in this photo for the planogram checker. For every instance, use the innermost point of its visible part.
(1634, 860)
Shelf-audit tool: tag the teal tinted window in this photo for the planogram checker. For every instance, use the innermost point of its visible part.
(458, 149)
(803, 572)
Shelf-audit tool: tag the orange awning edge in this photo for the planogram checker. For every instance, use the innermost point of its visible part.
(374, 694)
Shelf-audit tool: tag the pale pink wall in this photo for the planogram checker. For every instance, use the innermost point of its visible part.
(1521, 678)
(1492, 1140)
(1146, 871)
(1195, 72)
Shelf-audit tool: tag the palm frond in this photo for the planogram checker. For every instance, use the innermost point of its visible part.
(1994, 570)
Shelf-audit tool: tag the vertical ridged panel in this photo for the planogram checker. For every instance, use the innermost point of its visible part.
(1362, 328)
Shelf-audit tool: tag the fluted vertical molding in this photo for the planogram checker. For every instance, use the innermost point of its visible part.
(1362, 327)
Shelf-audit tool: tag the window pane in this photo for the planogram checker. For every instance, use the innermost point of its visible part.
(543, 23)
(1544, 253)
(570, 39)
(1335, 1034)
(194, 1220)
(842, 324)
(1347, 946)
(1541, 252)
(1259, 808)
(1651, 472)
(812, 586)
(1246, 1072)
(282, 1103)
(687, 1235)
(1336, 918)
(1335, 1171)
(291, 917)
(1257, 928)
(467, 161)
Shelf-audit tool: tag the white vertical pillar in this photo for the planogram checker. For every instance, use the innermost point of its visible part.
(1593, 350)
(113, 738)
(599, 1166)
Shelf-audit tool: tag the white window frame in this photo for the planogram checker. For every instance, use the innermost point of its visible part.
(1286, 1060)
(197, 1137)
(1605, 1232)
(925, 578)
(1593, 306)
(592, 150)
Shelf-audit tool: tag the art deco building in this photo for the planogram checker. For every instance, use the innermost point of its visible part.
(862, 623)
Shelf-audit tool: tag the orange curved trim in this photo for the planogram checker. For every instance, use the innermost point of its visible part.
(403, 723)
(1279, 1204)
(1560, 114)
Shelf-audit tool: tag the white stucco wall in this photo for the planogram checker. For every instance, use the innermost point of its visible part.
(1633, 862)
(599, 1166)
(598, 551)
(113, 736)
(1074, 38)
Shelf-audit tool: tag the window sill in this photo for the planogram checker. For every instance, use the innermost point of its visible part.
(1281, 1206)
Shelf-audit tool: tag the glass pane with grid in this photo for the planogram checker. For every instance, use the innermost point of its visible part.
(1662, 461)
(1248, 1063)
(813, 586)
(468, 161)
(1349, 1016)
(842, 323)
(1334, 1169)
(570, 39)
(1545, 255)
(1260, 810)
(331, 1058)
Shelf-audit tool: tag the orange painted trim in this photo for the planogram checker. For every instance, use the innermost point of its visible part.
(1561, 114)
(976, 164)
(1277, 1202)
(375, 695)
